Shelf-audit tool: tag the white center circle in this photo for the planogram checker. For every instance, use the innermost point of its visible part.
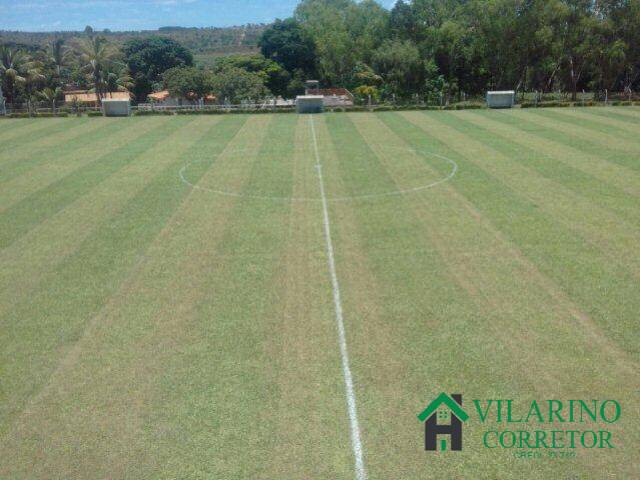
(242, 152)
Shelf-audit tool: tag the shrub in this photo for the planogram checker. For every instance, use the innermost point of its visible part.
(147, 113)
(18, 115)
(587, 103)
(94, 114)
(621, 103)
(472, 106)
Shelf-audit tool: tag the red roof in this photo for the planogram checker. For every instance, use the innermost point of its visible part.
(330, 92)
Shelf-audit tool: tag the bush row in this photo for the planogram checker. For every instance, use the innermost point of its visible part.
(357, 108)
(37, 115)
(589, 103)
(391, 108)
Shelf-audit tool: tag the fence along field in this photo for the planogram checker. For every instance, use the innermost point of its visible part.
(156, 330)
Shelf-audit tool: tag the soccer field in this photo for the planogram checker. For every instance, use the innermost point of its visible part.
(279, 296)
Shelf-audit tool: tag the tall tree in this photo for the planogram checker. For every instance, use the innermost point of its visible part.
(288, 44)
(148, 58)
(401, 67)
(188, 82)
(236, 85)
(97, 58)
(59, 56)
(17, 70)
(274, 76)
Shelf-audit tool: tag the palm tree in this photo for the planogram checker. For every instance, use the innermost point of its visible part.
(96, 57)
(59, 55)
(119, 81)
(50, 96)
(17, 68)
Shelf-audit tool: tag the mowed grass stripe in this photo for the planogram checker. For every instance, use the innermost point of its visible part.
(585, 119)
(408, 313)
(33, 130)
(565, 126)
(49, 128)
(8, 128)
(271, 175)
(631, 115)
(27, 262)
(598, 165)
(603, 289)
(601, 194)
(616, 238)
(503, 288)
(310, 443)
(578, 138)
(365, 175)
(51, 149)
(374, 309)
(237, 331)
(130, 360)
(39, 329)
(24, 215)
(18, 188)
(403, 317)
(546, 323)
(455, 209)
(575, 150)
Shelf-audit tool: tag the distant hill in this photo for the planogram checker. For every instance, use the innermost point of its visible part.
(205, 43)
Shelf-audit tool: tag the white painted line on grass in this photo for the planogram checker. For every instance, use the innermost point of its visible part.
(367, 196)
(356, 443)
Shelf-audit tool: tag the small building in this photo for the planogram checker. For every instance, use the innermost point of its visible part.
(501, 99)
(333, 97)
(90, 99)
(309, 104)
(311, 85)
(164, 99)
(116, 107)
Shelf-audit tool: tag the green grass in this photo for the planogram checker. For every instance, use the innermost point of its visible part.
(149, 329)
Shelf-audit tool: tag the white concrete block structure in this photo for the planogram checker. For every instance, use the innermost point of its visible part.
(310, 104)
(115, 107)
(501, 99)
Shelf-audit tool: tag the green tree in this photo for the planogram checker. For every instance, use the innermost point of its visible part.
(273, 75)
(59, 56)
(401, 67)
(577, 40)
(188, 82)
(17, 71)
(288, 44)
(50, 96)
(97, 59)
(326, 23)
(236, 85)
(148, 58)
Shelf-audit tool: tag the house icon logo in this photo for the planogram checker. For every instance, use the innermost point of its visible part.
(444, 407)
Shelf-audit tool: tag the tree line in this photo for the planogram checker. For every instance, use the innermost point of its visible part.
(434, 47)
(141, 65)
(40, 74)
(417, 50)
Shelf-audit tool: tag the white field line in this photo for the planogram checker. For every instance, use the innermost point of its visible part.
(356, 443)
(369, 196)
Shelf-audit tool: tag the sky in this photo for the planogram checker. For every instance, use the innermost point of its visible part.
(51, 15)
